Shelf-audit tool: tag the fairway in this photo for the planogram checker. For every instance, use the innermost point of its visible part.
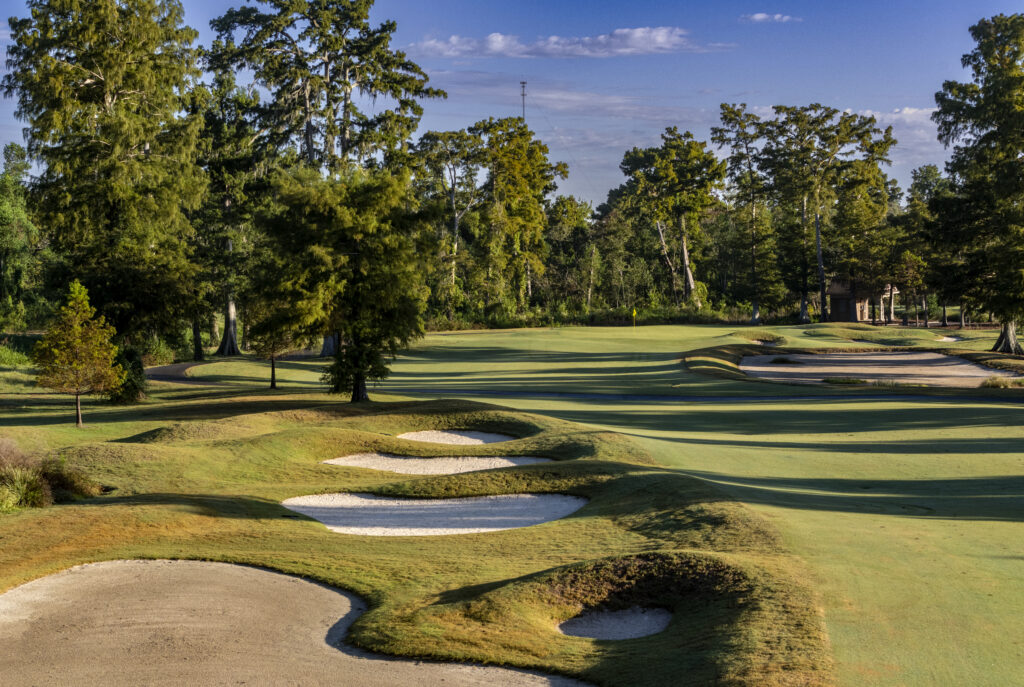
(908, 514)
(906, 511)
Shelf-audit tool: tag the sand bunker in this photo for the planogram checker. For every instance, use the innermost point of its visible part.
(464, 437)
(186, 622)
(930, 369)
(628, 624)
(379, 516)
(432, 466)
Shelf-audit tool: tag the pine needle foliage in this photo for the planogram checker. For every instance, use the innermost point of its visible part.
(76, 356)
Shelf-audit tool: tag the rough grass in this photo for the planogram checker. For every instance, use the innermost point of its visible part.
(844, 380)
(210, 489)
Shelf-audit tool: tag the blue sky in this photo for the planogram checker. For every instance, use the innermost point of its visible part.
(605, 76)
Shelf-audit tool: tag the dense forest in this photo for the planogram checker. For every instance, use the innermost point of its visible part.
(201, 212)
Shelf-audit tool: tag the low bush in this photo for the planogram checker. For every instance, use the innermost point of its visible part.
(28, 483)
(999, 382)
(133, 388)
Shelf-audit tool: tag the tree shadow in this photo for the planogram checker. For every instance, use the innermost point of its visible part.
(976, 498)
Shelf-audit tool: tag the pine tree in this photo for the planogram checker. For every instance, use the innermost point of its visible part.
(76, 355)
(102, 86)
(984, 121)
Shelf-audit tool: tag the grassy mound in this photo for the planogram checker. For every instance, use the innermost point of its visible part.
(211, 490)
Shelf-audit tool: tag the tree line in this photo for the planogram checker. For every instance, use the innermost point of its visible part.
(301, 207)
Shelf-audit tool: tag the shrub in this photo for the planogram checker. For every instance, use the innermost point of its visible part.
(133, 388)
(844, 380)
(783, 360)
(10, 357)
(999, 382)
(27, 483)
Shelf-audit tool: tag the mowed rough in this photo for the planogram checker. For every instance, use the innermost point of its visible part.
(189, 622)
(930, 369)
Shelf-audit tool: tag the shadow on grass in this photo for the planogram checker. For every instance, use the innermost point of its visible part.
(235, 507)
(978, 498)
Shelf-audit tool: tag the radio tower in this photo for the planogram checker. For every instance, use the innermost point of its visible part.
(522, 87)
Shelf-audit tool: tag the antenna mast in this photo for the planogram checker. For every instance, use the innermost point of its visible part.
(522, 87)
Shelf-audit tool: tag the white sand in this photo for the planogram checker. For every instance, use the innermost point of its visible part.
(930, 369)
(464, 437)
(628, 624)
(192, 623)
(949, 338)
(432, 466)
(379, 516)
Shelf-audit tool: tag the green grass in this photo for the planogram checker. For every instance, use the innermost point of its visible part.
(905, 515)
(199, 473)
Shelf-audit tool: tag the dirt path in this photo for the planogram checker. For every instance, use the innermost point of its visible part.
(188, 622)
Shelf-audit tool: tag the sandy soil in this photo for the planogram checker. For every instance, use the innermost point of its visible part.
(431, 466)
(628, 624)
(931, 369)
(379, 516)
(461, 437)
(192, 623)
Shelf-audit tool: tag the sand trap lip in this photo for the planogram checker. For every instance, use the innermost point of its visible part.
(925, 368)
(462, 437)
(450, 465)
(189, 622)
(627, 624)
(380, 516)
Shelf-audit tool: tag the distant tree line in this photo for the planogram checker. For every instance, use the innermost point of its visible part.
(288, 212)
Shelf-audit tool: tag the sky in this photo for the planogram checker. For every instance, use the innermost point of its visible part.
(604, 76)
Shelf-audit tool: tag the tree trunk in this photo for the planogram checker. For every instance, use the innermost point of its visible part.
(755, 308)
(821, 264)
(892, 304)
(78, 410)
(690, 284)
(590, 282)
(805, 317)
(963, 315)
(197, 341)
(273, 372)
(668, 261)
(214, 329)
(332, 342)
(945, 320)
(924, 304)
(1007, 341)
(229, 342)
(359, 388)
(874, 319)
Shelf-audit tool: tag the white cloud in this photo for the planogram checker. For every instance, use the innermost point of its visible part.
(767, 18)
(646, 40)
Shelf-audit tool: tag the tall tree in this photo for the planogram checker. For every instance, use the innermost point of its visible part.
(21, 245)
(236, 168)
(520, 177)
(102, 87)
(349, 263)
(323, 63)
(984, 122)
(805, 151)
(452, 162)
(742, 133)
(673, 184)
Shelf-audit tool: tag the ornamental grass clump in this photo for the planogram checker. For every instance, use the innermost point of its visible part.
(30, 483)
